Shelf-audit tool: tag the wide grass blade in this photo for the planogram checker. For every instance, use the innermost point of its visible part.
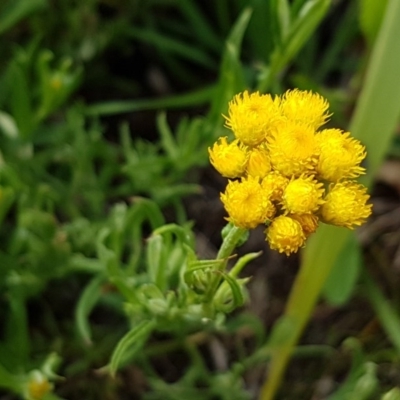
(373, 123)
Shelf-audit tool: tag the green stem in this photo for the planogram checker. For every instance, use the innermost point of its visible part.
(229, 244)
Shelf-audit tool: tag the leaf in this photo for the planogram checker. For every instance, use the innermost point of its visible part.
(237, 294)
(371, 15)
(86, 303)
(387, 315)
(155, 252)
(231, 77)
(194, 98)
(184, 50)
(377, 113)
(283, 14)
(8, 125)
(361, 384)
(302, 26)
(393, 394)
(344, 274)
(132, 342)
(200, 24)
(167, 138)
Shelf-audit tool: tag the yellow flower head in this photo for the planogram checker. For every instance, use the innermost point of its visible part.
(247, 203)
(339, 155)
(274, 184)
(293, 149)
(251, 117)
(346, 205)
(258, 163)
(285, 235)
(302, 195)
(38, 386)
(229, 159)
(305, 107)
(309, 222)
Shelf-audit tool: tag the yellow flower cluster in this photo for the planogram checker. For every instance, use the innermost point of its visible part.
(286, 172)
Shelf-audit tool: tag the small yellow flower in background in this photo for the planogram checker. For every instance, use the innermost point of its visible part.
(302, 195)
(339, 155)
(38, 386)
(247, 203)
(293, 149)
(251, 117)
(258, 163)
(229, 159)
(346, 205)
(305, 107)
(283, 165)
(285, 235)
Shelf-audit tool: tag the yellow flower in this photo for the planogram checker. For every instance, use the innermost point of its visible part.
(258, 163)
(293, 149)
(247, 203)
(251, 117)
(302, 195)
(305, 107)
(340, 155)
(346, 205)
(274, 184)
(309, 222)
(285, 235)
(228, 159)
(38, 386)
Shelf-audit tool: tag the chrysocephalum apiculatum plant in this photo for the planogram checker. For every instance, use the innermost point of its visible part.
(287, 173)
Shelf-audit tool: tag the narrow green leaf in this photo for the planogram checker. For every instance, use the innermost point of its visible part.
(179, 48)
(393, 394)
(344, 275)
(194, 98)
(242, 262)
(181, 233)
(8, 125)
(133, 342)
(388, 317)
(155, 260)
(371, 14)
(200, 24)
(164, 194)
(237, 294)
(284, 19)
(262, 21)
(361, 386)
(167, 138)
(378, 108)
(309, 17)
(142, 210)
(86, 303)
(231, 77)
